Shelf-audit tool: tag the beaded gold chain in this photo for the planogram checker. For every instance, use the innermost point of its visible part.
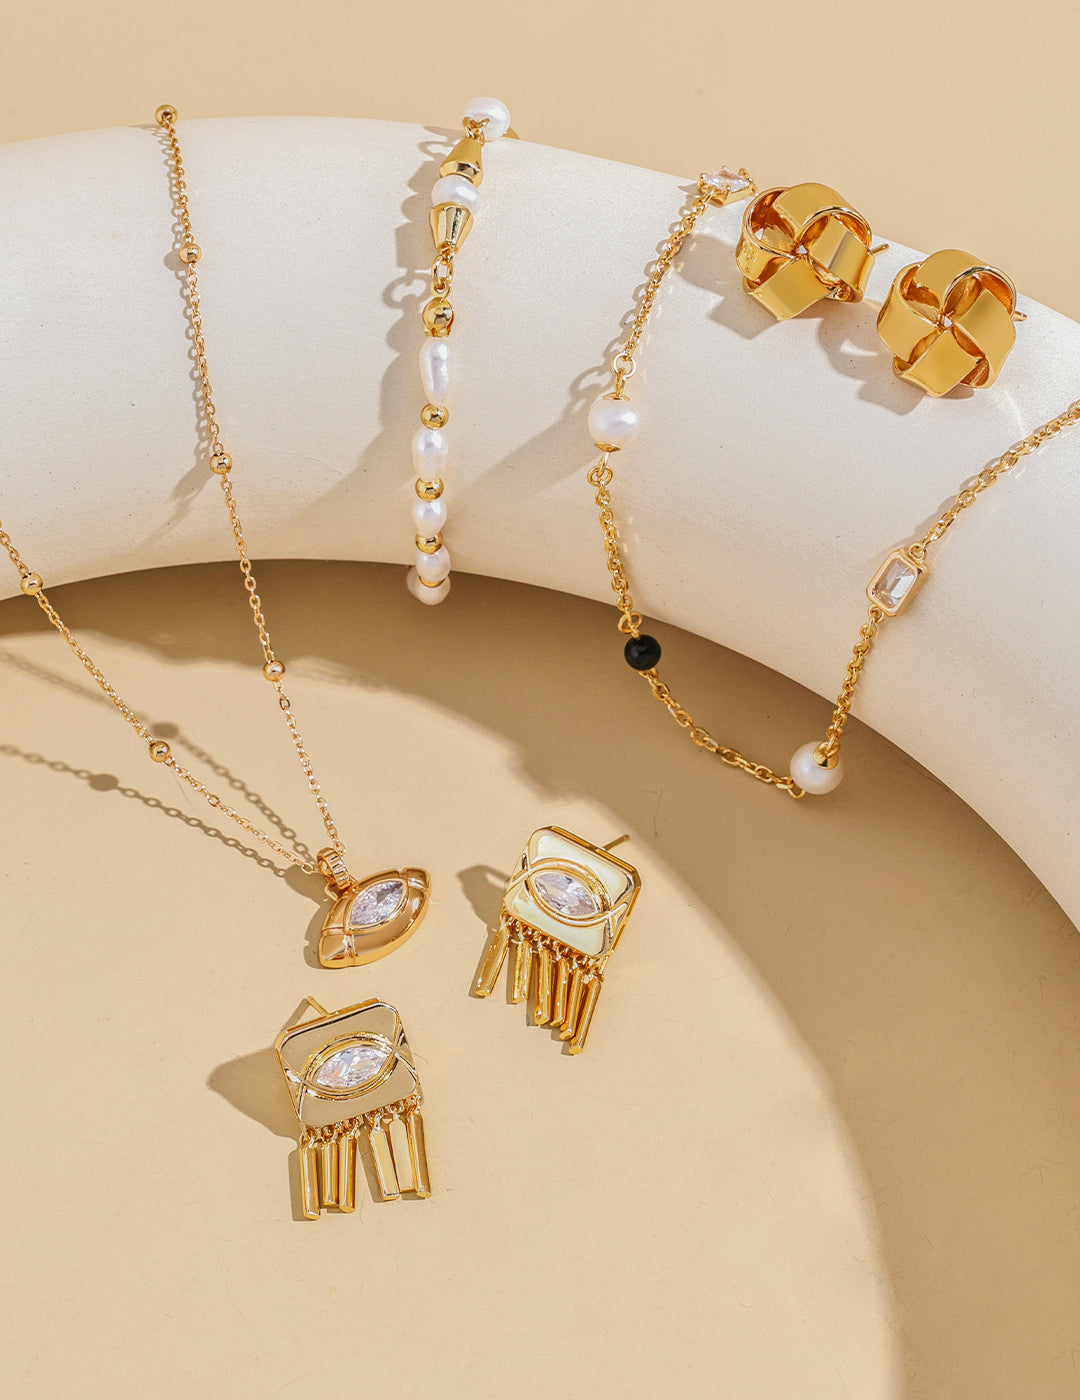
(612, 422)
(330, 860)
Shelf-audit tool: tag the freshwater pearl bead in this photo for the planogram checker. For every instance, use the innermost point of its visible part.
(810, 775)
(425, 594)
(455, 189)
(433, 568)
(496, 112)
(429, 452)
(612, 423)
(429, 516)
(435, 369)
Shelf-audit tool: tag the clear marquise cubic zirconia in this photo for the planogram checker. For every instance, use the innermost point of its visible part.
(376, 904)
(352, 1067)
(565, 894)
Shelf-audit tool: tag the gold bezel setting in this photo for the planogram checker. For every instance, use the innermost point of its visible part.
(917, 570)
(343, 944)
(311, 1083)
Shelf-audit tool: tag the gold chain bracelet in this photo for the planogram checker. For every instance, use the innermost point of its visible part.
(613, 422)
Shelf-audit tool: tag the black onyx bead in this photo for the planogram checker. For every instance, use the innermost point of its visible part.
(642, 653)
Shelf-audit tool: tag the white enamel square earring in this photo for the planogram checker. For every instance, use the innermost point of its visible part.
(563, 913)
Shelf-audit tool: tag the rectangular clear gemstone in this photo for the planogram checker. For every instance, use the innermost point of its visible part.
(727, 181)
(894, 581)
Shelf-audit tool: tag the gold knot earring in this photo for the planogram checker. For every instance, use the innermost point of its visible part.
(949, 321)
(802, 244)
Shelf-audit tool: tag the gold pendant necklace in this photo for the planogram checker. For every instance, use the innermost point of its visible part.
(369, 917)
(816, 766)
(350, 1073)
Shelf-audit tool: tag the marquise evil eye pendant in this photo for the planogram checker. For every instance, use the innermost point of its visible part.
(369, 918)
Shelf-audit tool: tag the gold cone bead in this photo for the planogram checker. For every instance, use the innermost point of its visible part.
(450, 225)
(465, 159)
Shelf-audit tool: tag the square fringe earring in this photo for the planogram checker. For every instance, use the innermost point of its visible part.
(563, 912)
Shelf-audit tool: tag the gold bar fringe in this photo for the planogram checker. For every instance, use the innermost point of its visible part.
(522, 969)
(418, 1153)
(573, 1002)
(494, 958)
(543, 985)
(562, 987)
(309, 1181)
(585, 1018)
(384, 1163)
(347, 1172)
(399, 1146)
(328, 1172)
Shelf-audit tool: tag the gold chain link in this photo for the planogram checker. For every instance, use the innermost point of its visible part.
(630, 624)
(221, 464)
(601, 475)
(623, 363)
(989, 474)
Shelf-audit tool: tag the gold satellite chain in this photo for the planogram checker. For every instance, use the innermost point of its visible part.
(331, 860)
(602, 474)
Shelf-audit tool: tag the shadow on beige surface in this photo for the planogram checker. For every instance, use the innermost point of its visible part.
(931, 977)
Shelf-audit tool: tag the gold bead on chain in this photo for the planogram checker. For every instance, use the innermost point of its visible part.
(221, 464)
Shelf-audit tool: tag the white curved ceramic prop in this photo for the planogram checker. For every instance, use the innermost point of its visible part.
(776, 467)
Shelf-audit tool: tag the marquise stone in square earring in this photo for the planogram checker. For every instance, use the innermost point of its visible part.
(455, 201)
(352, 1081)
(563, 913)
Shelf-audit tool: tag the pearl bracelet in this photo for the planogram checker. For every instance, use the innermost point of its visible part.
(455, 199)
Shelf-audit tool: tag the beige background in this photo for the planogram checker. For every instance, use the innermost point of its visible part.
(879, 1169)
(949, 124)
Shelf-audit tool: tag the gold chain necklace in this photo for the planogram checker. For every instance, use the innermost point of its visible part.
(816, 766)
(368, 917)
